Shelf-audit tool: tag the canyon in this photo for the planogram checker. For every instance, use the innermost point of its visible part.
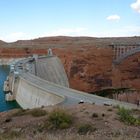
(87, 60)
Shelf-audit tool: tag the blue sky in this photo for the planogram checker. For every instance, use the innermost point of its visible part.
(27, 19)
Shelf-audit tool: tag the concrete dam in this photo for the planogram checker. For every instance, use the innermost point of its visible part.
(42, 81)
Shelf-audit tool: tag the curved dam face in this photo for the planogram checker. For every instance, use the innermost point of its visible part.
(30, 95)
(52, 70)
(26, 92)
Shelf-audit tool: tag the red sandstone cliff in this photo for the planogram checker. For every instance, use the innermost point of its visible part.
(90, 69)
(128, 72)
(87, 60)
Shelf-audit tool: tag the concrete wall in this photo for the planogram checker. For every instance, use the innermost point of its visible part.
(30, 95)
(52, 70)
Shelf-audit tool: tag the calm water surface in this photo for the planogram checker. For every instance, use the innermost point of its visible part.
(4, 106)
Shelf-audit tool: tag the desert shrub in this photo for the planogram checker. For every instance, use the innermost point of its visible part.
(59, 119)
(86, 112)
(85, 128)
(7, 120)
(116, 106)
(19, 112)
(64, 125)
(10, 135)
(136, 111)
(103, 114)
(110, 109)
(95, 115)
(37, 112)
(126, 117)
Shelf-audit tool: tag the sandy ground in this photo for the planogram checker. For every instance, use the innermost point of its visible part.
(107, 125)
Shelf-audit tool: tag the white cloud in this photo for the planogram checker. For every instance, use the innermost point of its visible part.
(136, 6)
(66, 32)
(59, 32)
(113, 18)
(14, 37)
(118, 32)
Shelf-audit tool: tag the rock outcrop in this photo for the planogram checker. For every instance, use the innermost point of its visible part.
(88, 68)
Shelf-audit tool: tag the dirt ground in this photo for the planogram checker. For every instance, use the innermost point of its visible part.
(105, 122)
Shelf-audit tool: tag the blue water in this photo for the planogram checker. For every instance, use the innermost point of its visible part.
(4, 106)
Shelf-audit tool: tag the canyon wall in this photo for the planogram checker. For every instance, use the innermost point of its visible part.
(87, 60)
(90, 69)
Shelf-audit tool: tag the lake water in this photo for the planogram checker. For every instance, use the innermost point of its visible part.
(4, 106)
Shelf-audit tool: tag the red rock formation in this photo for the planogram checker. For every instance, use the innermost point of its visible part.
(90, 69)
(128, 72)
(21, 52)
(88, 66)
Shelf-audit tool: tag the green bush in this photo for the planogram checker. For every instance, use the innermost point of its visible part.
(64, 125)
(85, 128)
(127, 117)
(59, 119)
(37, 112)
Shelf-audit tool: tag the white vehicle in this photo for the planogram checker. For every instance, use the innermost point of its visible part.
(81, 102)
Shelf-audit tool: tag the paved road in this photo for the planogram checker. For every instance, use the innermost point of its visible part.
(72, 96)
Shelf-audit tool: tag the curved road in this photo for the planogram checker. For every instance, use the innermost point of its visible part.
(72, 96)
